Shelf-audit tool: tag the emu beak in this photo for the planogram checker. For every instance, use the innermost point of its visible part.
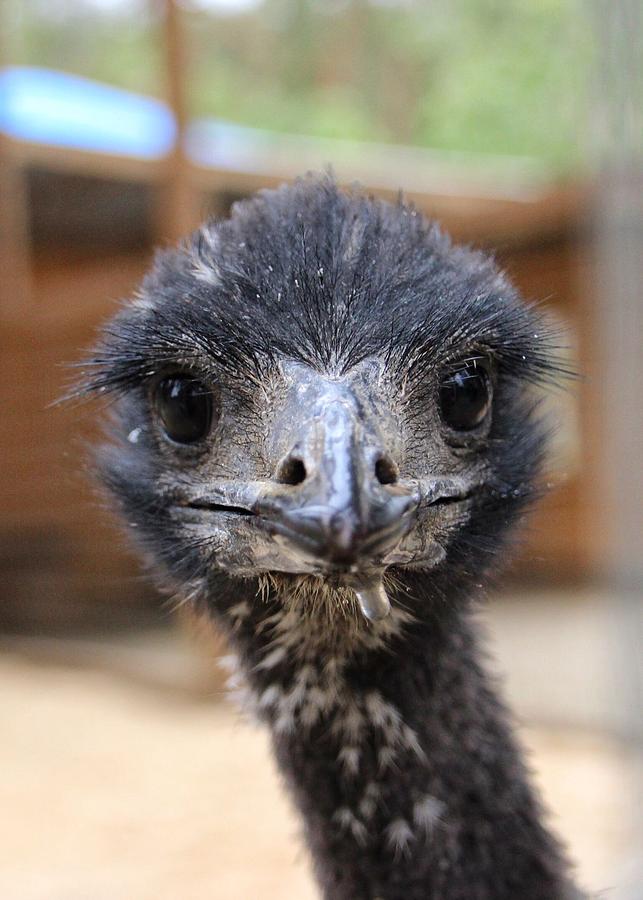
(338, 503)
(337, 509)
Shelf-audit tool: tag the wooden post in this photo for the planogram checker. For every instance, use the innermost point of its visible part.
(180, 209)
(15, 290)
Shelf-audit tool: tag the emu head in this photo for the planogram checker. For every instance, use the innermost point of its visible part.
(322, 387)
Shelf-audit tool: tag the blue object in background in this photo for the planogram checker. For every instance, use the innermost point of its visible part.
(226, 145)
(49, 107)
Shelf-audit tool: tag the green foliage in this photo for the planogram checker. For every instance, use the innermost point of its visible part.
(488, 76)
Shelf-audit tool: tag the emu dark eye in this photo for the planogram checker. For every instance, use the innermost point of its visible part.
(465, 395)
(185, 408)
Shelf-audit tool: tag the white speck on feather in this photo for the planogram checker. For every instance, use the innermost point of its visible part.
(350, 723)
(382, 714)
(368, 803)
(204, 267)
(134, 435)
(206, 272)
(348, 758)
(411, 742)
(229, 663)
(142, 300)
(238, 688)
(284, 723)
(270, 697)
(399, 836)
(386, 757)
(348, 821)
(428, 812)
(273, 658)
(239, 611)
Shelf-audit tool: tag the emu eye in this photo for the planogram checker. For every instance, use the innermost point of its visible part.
(465, 394)
(185, 408)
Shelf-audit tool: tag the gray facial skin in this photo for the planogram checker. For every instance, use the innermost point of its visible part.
(339, 503)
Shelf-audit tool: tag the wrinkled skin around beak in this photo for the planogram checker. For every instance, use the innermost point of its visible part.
(336, 505)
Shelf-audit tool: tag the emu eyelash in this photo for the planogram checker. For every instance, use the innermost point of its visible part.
(455, 361)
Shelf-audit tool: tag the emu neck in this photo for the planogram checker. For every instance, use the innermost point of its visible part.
(401, 762)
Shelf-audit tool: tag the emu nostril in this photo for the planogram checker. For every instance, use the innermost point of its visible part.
(386, 471)
(291, 470)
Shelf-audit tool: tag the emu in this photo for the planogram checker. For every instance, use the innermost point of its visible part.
(323, 432)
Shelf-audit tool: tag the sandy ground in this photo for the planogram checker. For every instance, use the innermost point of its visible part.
(111, 790)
